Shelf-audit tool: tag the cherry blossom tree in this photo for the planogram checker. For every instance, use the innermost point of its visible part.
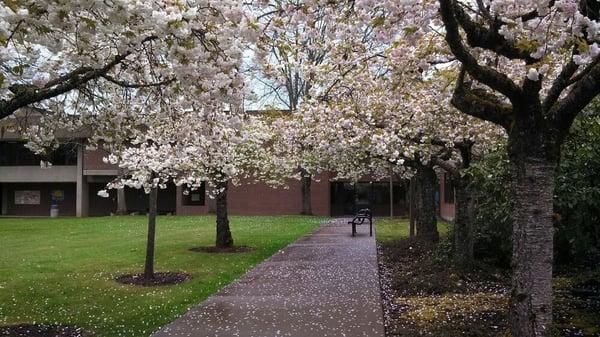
(547, 71)
(189, 148)
(128, 73)
(136, 140)
(64, 56)
(140, 169)
(281, 54)
(374, 120)
(222, 149)
(156, 146)
(290, 58)
(311, 44)
(207, 146)
(527, 66)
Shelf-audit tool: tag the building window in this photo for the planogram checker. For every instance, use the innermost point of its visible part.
(448, 189)
(195, 197)
(16, 154)
(66, 154)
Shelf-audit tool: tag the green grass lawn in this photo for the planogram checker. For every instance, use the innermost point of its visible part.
(397, 228)
(62, 270)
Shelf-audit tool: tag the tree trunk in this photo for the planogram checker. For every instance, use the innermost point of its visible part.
(224, 238)
(149, 265)
(412, 206)
(121, 203)
(531, 296)
(426, 220)
(463, 224)
(306, 182)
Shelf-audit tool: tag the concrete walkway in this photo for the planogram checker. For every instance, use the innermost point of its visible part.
(325, 284)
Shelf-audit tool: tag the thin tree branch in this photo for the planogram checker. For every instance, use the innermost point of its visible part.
(480, 36)
(29, 94)
(477, 105)
(582, 93)
(561, 82)
(136, 85)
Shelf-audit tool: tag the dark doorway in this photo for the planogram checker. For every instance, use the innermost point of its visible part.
(342, 199)
(347, 198)
(136, 200)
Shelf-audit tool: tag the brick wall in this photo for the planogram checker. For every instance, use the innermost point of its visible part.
(92, 160)
(260, 199)
(182, 209)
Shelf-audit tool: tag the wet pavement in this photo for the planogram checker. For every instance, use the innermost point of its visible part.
(325, 284)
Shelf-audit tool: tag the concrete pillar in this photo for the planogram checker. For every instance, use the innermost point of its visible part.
(121, 202)
(4, 200)
(82, 202)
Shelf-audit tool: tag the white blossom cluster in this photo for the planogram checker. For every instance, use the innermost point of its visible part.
(381, 79)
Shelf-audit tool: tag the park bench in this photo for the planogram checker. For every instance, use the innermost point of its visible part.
(360, 218)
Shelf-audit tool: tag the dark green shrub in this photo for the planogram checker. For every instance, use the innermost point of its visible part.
(491, 179)
(577, 197)
(577, 200)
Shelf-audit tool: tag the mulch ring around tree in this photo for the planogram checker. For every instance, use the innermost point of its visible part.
(42, 330)
(223, 250)
(159, 279)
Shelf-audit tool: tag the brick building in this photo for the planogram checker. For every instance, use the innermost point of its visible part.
(77, 174)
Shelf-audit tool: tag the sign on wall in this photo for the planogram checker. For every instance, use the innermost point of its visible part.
(57, 195)
(27, 197)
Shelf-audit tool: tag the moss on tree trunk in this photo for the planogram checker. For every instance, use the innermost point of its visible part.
(426, 217)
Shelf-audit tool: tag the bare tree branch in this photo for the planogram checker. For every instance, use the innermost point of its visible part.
(477, 105)
(484, 74)
(29, 94)
(136, 85)
(480, 36)
(582, 93)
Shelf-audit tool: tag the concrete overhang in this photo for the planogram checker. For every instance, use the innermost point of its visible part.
(100, 172)
(36, 174)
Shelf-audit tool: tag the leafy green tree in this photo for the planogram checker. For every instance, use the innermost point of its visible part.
(577, 199)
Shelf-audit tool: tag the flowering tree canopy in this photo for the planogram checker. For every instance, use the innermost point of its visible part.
(527, 66)
(411, 83)
(74, 55)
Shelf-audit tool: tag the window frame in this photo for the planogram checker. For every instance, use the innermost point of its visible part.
(187, 198)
